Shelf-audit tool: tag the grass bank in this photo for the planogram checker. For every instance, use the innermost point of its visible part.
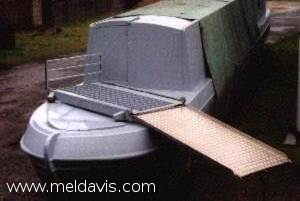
(34, 46)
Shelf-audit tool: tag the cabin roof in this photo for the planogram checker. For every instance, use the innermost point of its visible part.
(187, 9)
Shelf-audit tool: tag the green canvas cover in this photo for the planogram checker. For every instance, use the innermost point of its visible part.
(229, 31)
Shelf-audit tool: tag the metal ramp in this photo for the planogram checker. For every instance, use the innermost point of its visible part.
(231, 148)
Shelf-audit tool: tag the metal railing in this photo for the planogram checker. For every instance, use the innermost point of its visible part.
(68, 71)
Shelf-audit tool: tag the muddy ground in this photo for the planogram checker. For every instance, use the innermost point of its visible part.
(22, 90)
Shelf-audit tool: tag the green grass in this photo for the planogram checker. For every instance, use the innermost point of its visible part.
(38, 46)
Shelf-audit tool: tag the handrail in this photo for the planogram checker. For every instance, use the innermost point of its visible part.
(61, 69)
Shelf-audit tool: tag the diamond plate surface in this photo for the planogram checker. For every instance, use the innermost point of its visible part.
(227, 146)
(122, 98)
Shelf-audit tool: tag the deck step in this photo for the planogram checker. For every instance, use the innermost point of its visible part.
(111, 100)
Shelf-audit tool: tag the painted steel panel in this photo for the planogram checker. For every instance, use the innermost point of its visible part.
(110, 40)
(229, 31)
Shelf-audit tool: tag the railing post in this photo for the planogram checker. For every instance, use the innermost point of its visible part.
(46, 75)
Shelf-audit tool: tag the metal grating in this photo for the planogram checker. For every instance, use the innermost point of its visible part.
(130, 99)
(227, 146)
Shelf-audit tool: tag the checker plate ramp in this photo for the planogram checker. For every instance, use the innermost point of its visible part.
(110, 99)
(239, 152)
